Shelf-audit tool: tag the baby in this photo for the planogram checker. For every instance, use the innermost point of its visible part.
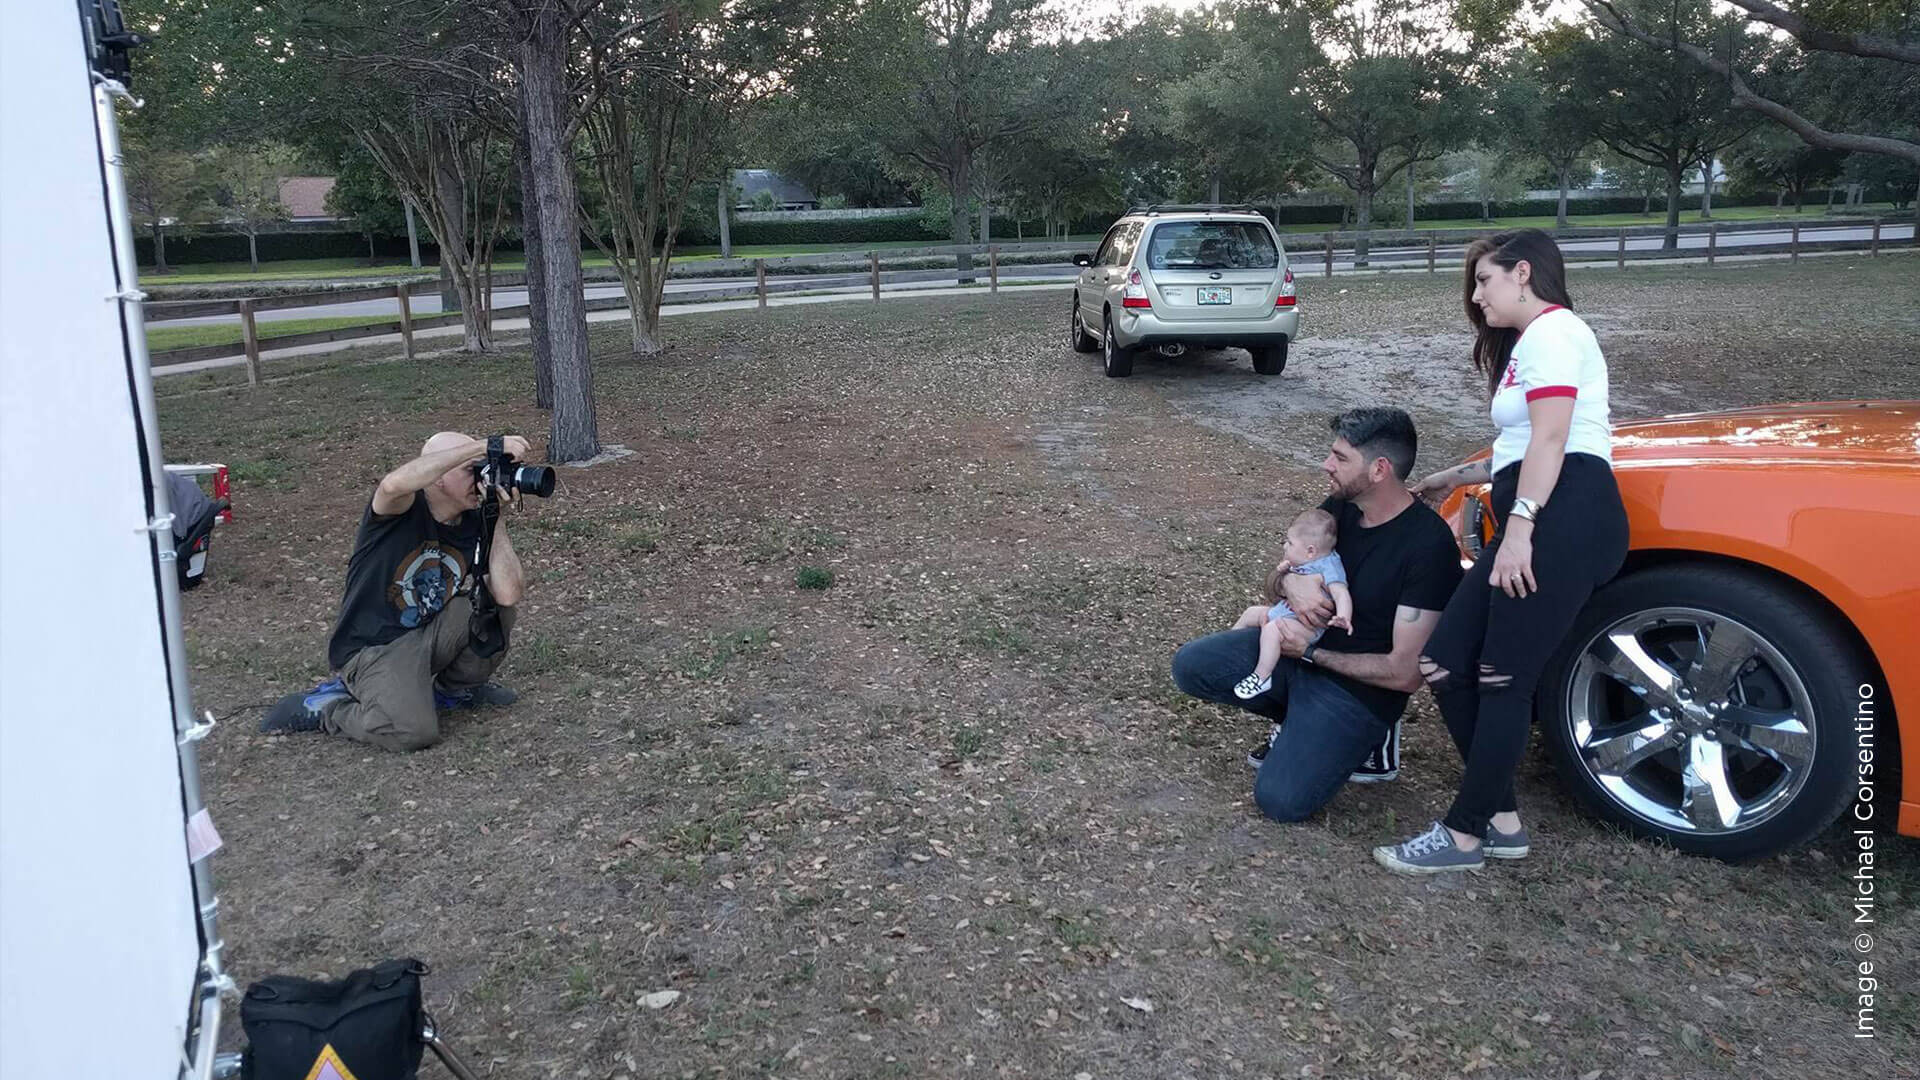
(1309, 553)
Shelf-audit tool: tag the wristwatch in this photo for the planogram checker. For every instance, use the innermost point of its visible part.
(1307, 653)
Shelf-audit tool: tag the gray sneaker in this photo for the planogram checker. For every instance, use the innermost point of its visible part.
(1504, 845)
(1432, 852)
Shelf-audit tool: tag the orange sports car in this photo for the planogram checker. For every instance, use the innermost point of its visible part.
(1739, 685)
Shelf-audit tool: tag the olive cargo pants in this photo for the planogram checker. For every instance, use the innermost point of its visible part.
(392, 684)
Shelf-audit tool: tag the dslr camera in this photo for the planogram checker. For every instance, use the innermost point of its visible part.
(503, 471)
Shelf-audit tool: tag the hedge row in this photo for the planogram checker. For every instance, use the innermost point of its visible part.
(228, 247)
(212, 247)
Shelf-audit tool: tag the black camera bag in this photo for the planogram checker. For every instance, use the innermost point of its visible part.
(371, 1021)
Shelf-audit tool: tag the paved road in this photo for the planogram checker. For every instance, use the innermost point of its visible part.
(1305, 258)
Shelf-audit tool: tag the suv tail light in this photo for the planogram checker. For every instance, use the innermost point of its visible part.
(223, 489)
(1135, 295)
(1287, 297)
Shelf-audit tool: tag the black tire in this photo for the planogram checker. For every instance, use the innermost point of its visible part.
(1119, 361)
(1077, 331)
(1270, 361)
(1670, 610)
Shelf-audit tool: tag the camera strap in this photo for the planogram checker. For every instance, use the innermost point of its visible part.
(489, 508)
(484, 627)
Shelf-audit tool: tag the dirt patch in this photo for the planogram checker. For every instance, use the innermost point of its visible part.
(947, 817)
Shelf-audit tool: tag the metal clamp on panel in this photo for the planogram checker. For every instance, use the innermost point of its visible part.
(198, 731)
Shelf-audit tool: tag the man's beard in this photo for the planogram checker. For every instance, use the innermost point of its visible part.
(1347, 492)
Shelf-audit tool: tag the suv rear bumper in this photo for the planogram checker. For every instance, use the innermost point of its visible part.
(1135, 328)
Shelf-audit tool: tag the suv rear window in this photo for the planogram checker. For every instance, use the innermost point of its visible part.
(1211, 245)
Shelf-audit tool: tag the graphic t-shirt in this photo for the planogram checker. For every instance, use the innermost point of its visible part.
(1409, 560)
(1556, 356)
(404, 569)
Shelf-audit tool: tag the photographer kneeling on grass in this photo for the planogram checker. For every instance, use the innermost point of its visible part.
(429, 601)
(1335, 703)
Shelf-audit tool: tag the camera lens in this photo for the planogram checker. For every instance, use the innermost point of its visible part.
(534, 480)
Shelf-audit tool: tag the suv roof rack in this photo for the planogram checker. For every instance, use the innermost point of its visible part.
(1195, 208)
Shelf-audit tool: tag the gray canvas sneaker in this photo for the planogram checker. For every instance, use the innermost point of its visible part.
(1504, 845)
(1432, 852)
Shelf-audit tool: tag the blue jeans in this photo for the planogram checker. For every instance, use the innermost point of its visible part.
(1325, 733)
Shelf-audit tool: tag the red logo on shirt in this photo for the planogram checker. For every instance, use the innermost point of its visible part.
(1512, 375)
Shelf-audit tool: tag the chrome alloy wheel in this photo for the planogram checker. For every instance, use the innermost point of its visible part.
(1690, 720)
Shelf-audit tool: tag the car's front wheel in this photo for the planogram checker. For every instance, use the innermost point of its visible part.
(1271, 360)
(1706, 706)
(1077, 330)
(1119, 361)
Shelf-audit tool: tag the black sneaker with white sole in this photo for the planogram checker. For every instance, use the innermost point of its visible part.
(1257, 756)
(1384, 763)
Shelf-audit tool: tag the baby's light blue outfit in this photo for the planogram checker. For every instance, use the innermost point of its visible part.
(1330, 569)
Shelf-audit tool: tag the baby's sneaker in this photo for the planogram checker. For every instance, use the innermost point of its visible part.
(1252, 687)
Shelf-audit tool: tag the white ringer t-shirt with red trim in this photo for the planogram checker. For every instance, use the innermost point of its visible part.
(1556, 356)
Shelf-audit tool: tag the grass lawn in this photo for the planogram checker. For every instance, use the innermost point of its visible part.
(161, 337)
(845, 713)
(334, 269)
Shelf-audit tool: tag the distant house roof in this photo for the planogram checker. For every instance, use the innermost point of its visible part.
(305, 198)
(787, 194)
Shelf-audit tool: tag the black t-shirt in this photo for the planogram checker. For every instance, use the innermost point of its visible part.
(405, 567)
(1411, 560)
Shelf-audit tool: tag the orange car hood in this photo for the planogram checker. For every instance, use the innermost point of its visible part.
(1878, 432)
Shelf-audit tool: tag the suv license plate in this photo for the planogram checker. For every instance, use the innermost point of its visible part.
(1215, 294)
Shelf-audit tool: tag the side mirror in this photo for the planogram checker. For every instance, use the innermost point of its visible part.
(1083, 260)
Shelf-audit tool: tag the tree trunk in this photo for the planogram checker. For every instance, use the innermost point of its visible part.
(449, 296)
(1560, 214)
(541, 340)
(961, 221)
(986, 220)
(1362, 224)
(460, 246)
(159, 248)
(1409, 196)
(413, 235)
(1706, 190)
(1672, 239)
(253, 249)
(1646, 207)
(1799, 198)
(1779, 198)
(725, 210)
(541, 62)
(372, 258)
(1213, 187)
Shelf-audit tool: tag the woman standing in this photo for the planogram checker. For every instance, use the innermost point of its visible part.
(1563, 533)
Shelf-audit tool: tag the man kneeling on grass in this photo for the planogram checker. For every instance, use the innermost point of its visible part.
(1334, 704)
(404, 647)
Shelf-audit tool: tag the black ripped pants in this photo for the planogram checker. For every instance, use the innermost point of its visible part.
(1493, 647)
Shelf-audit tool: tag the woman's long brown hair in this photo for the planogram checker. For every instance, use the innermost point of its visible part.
(1493, 345)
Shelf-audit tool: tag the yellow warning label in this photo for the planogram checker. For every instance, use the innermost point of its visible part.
(328, 1066)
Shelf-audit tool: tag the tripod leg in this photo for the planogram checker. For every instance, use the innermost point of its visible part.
(431, 1036)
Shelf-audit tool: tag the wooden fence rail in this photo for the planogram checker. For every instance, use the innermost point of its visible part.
(1388, 252)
